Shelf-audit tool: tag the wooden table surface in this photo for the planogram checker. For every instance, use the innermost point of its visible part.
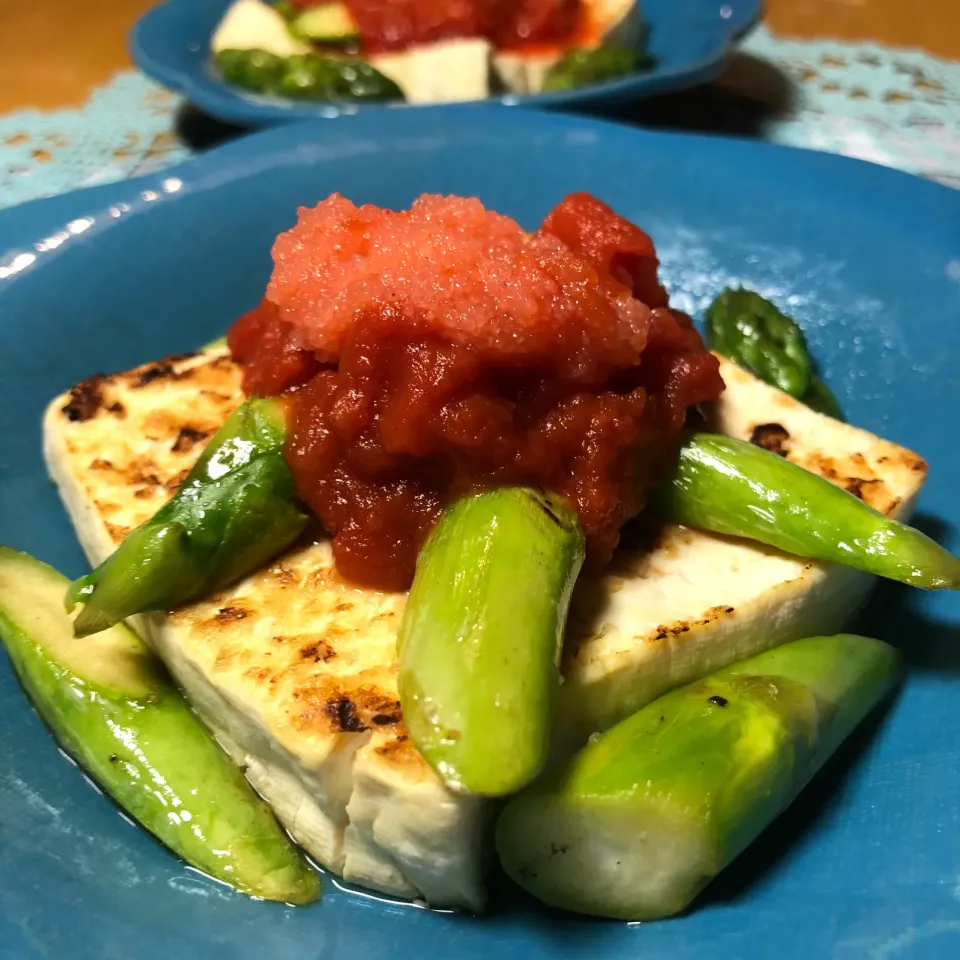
(54, 52)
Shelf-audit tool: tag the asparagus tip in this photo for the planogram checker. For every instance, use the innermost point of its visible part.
(92, 620)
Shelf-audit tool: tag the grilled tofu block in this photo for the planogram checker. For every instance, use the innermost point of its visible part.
(295, 671)
(252, 25)
(447, 71)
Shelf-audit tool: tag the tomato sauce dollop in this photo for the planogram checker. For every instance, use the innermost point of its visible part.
(399, 24)
(437, 351)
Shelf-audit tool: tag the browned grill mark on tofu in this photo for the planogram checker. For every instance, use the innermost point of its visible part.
(221, 399)
(259, 675)
(343, 712)
(187, 439)
(144, 376)
(400, 750)
(381, 719)
(176, 481)
(684, 626)
(772, 437)
(714, 614)
(162, 425)
(344, 705)
(284, 576)
(85, 400)
(116, 531)
(857, 477)
(231, 614)
(856, 485)
(147, 479)
(319, 651)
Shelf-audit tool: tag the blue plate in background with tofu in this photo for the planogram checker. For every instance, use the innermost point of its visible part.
(252, 63)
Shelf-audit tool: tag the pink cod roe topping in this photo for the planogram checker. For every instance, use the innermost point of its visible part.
(460, 271)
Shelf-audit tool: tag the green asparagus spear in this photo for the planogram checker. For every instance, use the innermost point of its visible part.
(235, 511)
(335, 79)
(256, 70)
(584, 68)
(751, 331)
(641, 820)
(117, 713)
(307, 76)
(732, 487)
(480, 640)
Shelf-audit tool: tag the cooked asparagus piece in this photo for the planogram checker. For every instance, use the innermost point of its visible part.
(117, 713)
(755, 334)
(584, 68)
(641, 820)
(736, 488)
(235, 511)
(307, 76)
(480, 640)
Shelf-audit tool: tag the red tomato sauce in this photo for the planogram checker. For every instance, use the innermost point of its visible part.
(437, 351)
(398, 24)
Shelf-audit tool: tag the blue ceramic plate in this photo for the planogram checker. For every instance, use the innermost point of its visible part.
(691, 40)
(867, 863)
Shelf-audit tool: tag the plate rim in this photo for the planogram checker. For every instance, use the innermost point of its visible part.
(861, 176)
(221, 101)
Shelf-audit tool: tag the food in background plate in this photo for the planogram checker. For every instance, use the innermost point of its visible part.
(466, 405)
(426, 51)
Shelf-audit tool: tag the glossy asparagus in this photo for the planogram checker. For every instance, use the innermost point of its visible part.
(117, 713)
(732, 487)
(307, 76)
(641, 820)
(754, 333)
(480, 640)
(235, 511)
(584, 68)
(256, 70)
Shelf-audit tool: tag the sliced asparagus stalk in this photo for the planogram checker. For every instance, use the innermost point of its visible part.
(117, 713)
(733, 487)
(236, 510)
(480, 639)
(641, 820)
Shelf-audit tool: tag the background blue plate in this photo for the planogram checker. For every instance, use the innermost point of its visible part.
(866, 865)
(691, 40)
